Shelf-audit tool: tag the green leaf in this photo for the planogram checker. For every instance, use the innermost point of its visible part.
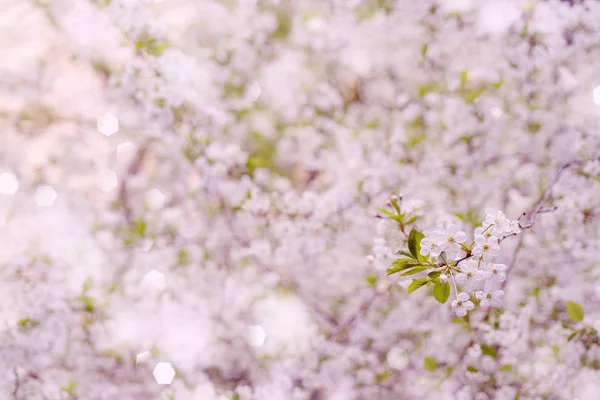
(386, 212)
(427, 88)
(572, 335)
(575, 311)
(413, 271)
(400, 265)
(88, 303)
(555, 350)
(489, 350)
(506, 368)
(411, 220)
(69, 388)
(434, 274)
(404, 253)
(417, 283)
(88, 284)
(430, 364)
(26, 324)
(441, 292)
(371, 280)
(471, 368)
(382, 377)
(463, 77)
(534, 127)
(414, 244)
(139, 227)
(449, 371)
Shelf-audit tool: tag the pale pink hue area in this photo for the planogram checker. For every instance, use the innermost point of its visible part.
(190, 193)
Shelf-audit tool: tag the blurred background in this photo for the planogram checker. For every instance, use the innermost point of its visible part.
(190, 192)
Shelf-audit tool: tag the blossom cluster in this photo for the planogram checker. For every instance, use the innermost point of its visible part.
(472, 265)
(269, 199)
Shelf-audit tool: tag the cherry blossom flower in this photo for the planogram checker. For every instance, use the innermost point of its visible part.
(431, 246)
(496, 271)
(451, 239)
(490, 299)
(497, 220)
(486, 247)
(470, 275)
(462, 304)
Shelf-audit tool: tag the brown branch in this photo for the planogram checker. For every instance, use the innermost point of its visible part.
(539, 208)
(17, 384)
(132, 170)
(351, 320)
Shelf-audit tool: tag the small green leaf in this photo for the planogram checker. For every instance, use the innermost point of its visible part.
(139, 227)
(534, 127)
(572, 336)
(386, 212)
(506, 368)
(441, 292)
(471, 368)
(400, 265)
(413, 271)
(26, 324)
(411, 220)
(88, 284)
(575, 311)
(88, 303)
(404, 253)
(414, 244)
(434, 274)
(417, 283)
(555, 350)
(489, 350)
(69, 388)
(430, 364)
(449, 371)
(382, 377)
(371, 280)
(463, 77)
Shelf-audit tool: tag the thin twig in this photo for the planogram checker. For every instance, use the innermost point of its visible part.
(132, 170)
(539, 208)
(362, 309)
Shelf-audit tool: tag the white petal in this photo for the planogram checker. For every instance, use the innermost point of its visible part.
(460, 237)
(463, 297)
(460, 312)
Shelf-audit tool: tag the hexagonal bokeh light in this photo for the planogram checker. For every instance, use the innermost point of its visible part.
(107, 125)
(253, 92)
(142, 357)
(397, 358)
(256, 335)
(163, 373)
(45, 196)
(155, 199)
(126, 152)
(154, 281)
(596, 95)
(8, 183)
(106, 180)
